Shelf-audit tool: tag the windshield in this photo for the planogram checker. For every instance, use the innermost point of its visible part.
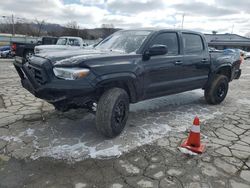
(61, 41)
(124, 41)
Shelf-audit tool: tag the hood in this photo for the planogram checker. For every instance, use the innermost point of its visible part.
(55, 46)
(73, 57)
(50, 48)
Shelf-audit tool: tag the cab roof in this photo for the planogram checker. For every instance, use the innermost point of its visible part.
(161, 30)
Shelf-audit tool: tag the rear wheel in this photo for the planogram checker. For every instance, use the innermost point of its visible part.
(112, 112)
(216, 92)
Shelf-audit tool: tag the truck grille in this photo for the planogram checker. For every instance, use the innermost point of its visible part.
(38, 73)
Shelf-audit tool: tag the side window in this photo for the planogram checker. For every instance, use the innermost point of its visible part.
(73, 42)
(168, 39)
(192, 43)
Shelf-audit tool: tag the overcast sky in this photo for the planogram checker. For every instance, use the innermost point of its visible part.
(200, 15)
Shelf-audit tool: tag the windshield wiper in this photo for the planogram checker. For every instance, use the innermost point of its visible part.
(115, 50)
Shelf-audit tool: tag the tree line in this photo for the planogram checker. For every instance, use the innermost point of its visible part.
(40, 28)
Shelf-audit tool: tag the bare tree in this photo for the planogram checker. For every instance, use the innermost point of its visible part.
(6, 26)
(107, 29)
(107, 26)
(71, 28)
(214, 32)
(40, 25)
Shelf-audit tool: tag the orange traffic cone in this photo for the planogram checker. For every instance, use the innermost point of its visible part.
(193, 141)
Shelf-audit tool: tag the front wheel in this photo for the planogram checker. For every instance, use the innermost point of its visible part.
(28, 55)
(216, 92)
(112, 112)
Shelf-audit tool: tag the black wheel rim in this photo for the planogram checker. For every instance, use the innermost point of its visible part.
(221, 91)
(28, 56)
(119, 113)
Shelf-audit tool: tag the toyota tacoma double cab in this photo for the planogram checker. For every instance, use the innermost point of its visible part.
(127, 67)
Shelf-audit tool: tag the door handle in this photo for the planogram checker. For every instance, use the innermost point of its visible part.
(204, 60)
(178, 63)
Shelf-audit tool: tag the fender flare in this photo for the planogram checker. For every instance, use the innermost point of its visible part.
(127, 79)
(224, 66)
(216, 70)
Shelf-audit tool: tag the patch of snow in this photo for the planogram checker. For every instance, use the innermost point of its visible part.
(145, 183)
(28, 132)
(129, 167)
(105, 153)
(116, 185)
(244, 101)
(245, 75)
(159, 174)
(131, 138)
(80, 185)
(186, 151)
(10, 138)
(78, 152)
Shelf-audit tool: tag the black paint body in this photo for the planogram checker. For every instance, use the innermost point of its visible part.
(143, 78)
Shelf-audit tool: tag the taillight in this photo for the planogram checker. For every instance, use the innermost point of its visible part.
(13, 47)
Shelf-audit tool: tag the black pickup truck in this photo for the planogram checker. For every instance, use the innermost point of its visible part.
(127, 67)
(25, 50)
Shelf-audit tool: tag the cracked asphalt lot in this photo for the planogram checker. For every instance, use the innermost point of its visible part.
(40, 147)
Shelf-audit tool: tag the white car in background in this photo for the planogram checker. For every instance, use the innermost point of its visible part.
(246, 55)
(63, 43)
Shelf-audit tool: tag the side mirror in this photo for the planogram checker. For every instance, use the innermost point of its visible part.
(157, 49)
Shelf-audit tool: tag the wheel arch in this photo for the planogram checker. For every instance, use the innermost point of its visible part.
(225, 70)
(126, 81)
(27, 50)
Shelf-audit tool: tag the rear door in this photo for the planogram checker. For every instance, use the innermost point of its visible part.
(195, 60)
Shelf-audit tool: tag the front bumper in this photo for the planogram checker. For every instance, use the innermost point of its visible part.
(50, 88)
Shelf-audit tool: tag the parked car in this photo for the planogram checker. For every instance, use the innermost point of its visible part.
(4, 48)
(127, 67)
(246, 54)
(63, 43)
(23, 51)
(6, 54)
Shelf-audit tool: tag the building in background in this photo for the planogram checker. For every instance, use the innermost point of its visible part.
(223, 41)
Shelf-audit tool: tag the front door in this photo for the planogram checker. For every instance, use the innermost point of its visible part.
(162, 72)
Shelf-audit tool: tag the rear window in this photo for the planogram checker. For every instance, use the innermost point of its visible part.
(192, 43)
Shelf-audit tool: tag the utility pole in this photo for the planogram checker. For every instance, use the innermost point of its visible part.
(13, 25)
(232, 29)
(182, 23)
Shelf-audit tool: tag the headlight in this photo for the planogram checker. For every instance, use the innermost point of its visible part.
(70, 73)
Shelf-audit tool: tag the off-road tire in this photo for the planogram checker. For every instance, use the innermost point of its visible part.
(107, 113)
(217, 90)
(27, 55)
